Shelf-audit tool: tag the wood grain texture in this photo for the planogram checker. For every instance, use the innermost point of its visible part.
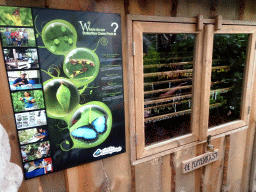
(235, 162)
(151, 7)
(148, 176)
(192, 8)
(250, 145)
(166, 176)
(212, 177)
(184, 182)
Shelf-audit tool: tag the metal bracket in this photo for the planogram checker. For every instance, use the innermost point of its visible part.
(210, 147)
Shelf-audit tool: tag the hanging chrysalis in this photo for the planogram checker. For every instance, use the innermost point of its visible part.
(63, 96)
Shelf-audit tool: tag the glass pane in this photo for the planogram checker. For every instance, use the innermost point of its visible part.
(168, 68)
(229, 56)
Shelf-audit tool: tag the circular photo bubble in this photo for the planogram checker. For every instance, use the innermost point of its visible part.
(82, 64)
(90, 125)
(61, 97)
(59, 37)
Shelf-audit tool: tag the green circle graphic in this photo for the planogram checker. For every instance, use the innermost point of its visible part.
(59, 37)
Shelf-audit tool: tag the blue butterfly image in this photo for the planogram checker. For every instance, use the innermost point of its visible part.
(90, 133)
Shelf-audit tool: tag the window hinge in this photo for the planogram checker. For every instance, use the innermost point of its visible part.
(249, 108)
(136, 139)
(133, 48)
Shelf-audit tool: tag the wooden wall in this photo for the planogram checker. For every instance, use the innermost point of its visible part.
(230, 173)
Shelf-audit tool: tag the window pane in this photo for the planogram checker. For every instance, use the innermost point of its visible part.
(229, 56)
(168, 68)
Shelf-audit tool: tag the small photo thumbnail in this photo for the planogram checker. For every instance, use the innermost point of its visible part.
(30, 119)
(38, 167)
(28, 136)
(17, 37)
(21, 58)
(23, 80)
(35, 151)
(27, 100)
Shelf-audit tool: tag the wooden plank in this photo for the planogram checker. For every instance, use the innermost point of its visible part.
(48, 182)
(167, 99)
(118, 171)
(184, 182)
(167, 73)
(250, 11)
(248, 76)
(166, 105)
(250, 141)
(153, 7)
(200, 149)
(248, 22)
(148, 175)
(89, 177)
(229, 10)
(131, 94)
(212, 178)
(168, 89)
(139, 87)
(191, 8)
(167, 64)
(168, 144)
(167, 116)
(235, 162)
(167, 81)
(150, 27)
(166, 176)
(206, 80)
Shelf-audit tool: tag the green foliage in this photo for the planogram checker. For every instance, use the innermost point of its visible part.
(26, 134)
(19, 105)
(230, 50)
(8, 17)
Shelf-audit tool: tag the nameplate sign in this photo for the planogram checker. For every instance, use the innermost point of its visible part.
(199, 161)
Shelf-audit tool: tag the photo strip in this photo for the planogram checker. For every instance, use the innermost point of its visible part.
(17, 37)
(30, 119)
(38, 167)
(21, 58)
(28, 136)
(27, 100)
(35, 151)
(23, 80)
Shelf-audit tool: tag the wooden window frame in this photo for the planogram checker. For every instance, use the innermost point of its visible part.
(206, 81)
(140, 152)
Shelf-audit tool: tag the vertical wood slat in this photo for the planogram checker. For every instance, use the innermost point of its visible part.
(237, 149)
(212, 178)
(148, 176)
(249, 142)
(184, 182)
(166, 175)
(206, 80)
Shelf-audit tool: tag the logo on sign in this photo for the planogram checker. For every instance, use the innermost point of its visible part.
(105, 151)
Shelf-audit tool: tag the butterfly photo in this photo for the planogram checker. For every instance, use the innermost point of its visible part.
(90, 132)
